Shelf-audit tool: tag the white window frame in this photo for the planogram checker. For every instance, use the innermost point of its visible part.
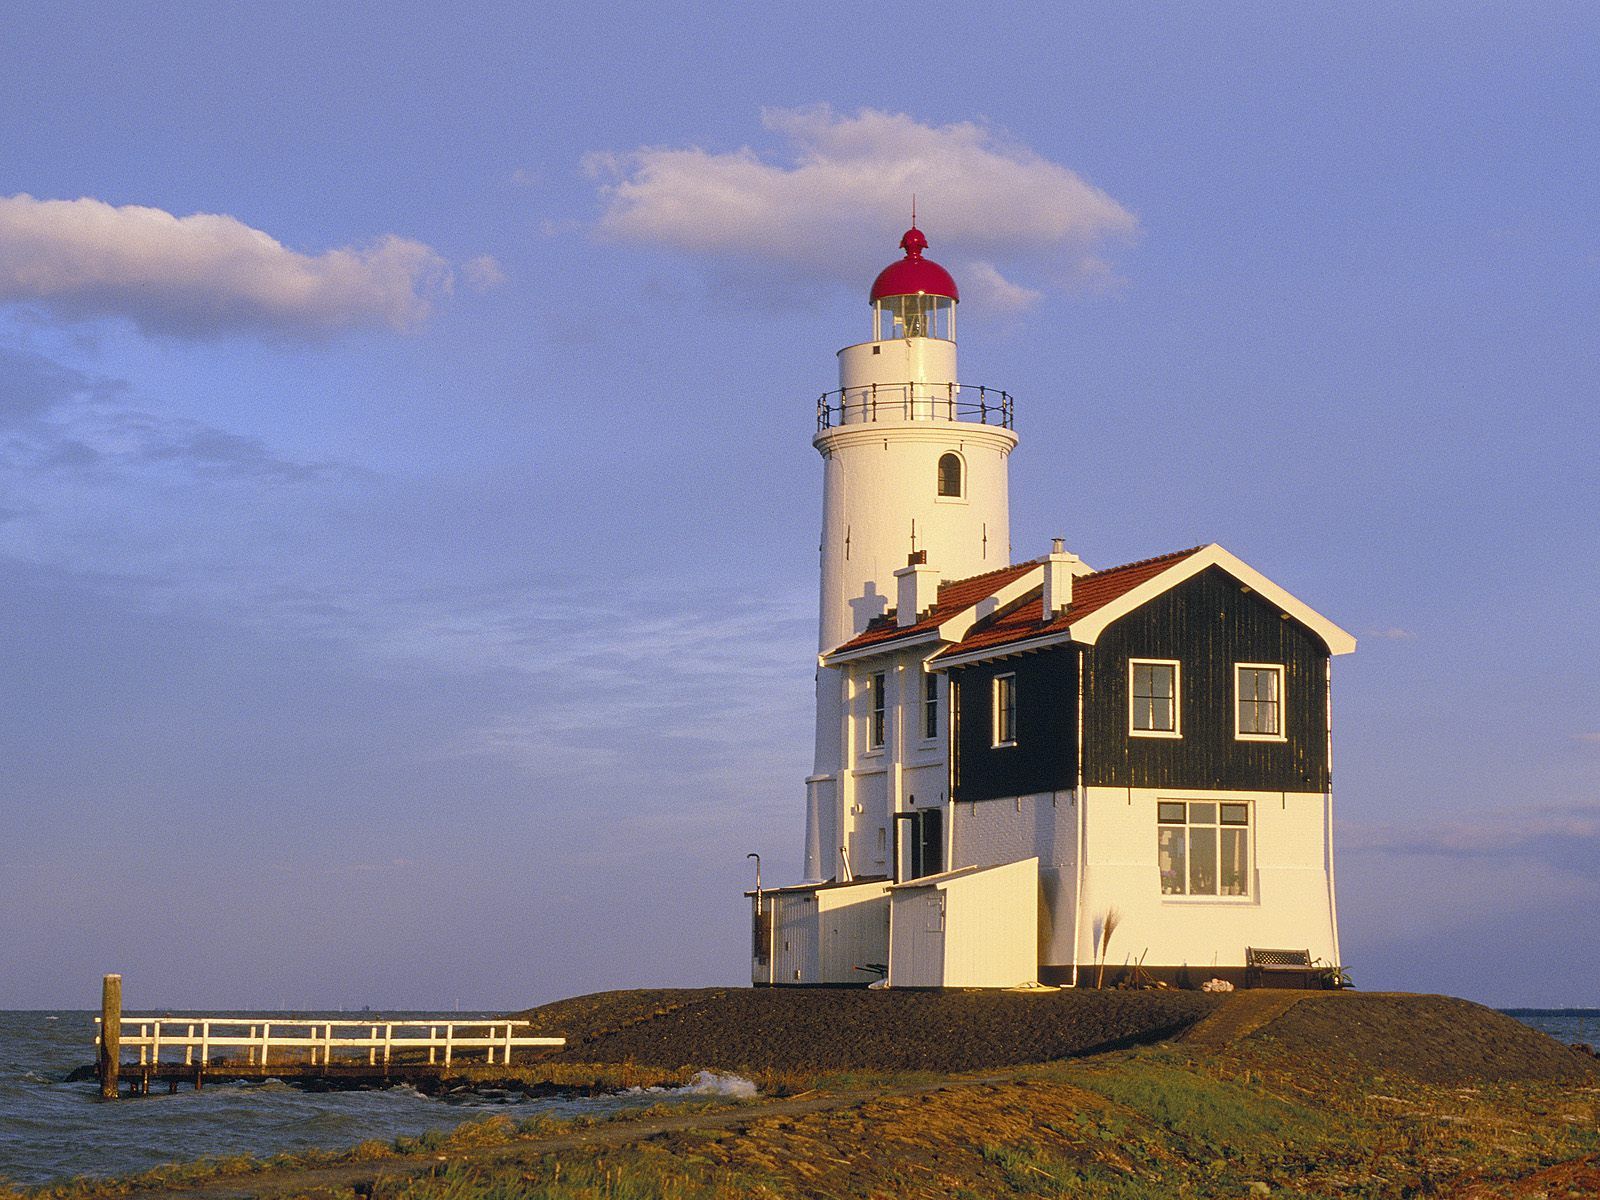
(961, 496)
(995, 709)
(930, 680)
(877, 690)
(1283, 698)
(1177, 698)
(1188, 897)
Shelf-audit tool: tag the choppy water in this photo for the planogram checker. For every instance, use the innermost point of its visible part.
(50, 1130)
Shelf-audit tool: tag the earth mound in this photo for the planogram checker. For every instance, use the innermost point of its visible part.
(824, 1029)
(1432, 1039)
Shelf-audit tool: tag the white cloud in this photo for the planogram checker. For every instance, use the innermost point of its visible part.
(1392, 634)
(482, 272)
(984, 283)
(204, 275)
(832, 206)
(1565, 835)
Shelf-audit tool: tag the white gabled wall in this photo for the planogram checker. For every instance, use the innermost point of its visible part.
(1289, 906)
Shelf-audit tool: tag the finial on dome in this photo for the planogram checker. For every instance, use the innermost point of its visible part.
(914, 275)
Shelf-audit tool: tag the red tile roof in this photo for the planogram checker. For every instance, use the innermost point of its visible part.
(955, 595)
(1089, 592)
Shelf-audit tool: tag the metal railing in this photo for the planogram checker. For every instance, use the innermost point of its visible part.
(914, 402)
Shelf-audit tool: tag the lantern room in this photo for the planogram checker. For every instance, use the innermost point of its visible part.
(915, 297)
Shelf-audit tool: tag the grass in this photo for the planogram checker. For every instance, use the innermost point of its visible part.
(550, 1178)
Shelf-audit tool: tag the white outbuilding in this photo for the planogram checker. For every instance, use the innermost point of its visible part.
(974, 927)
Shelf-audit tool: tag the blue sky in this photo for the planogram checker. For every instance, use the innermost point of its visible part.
(407, 567)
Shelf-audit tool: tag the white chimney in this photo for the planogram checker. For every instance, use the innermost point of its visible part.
(917, 588)
(1059, 568)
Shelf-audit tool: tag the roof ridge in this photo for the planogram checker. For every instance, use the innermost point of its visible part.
(1027, 562)
(1144, 562)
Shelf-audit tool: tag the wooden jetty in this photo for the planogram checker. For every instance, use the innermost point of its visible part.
(192, 1049)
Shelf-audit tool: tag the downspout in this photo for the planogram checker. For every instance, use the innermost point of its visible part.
(950, 769)
(1077, 891)
(1333, 906)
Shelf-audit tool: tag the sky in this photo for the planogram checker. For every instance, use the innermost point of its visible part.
(407, 506)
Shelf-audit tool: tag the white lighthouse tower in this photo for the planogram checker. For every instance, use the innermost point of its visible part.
(914, 491)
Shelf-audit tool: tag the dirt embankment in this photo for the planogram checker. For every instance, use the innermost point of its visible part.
(1433, 1039)
(824, 1029)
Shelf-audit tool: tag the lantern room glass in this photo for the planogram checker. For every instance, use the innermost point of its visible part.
(920, 315)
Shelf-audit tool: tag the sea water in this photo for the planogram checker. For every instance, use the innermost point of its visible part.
(51, 1130)
(1568, 1025)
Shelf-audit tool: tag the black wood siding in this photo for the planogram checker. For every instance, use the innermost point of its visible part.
(1045, 756)
(1208, 623)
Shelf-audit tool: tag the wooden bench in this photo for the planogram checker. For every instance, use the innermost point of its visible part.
(1260, 964)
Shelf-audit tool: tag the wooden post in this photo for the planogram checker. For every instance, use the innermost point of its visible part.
(110, 1035)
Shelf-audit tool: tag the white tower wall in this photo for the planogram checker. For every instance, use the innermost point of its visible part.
(900, 408)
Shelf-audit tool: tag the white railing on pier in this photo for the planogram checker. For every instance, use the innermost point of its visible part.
(321, 1042)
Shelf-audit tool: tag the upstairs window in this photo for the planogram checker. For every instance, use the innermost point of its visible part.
(930, 706)
(950, 475)
(876, 717)
(1203, 848)
(1153, 698)
(1258, 690)
(1005, 710)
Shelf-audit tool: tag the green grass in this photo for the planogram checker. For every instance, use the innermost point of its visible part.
(1222, 1115)
(627, 1178)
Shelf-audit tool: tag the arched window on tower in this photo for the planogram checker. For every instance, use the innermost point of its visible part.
(950, 475)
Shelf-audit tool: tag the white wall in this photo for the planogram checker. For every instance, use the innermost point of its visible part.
(1289, 906)
(1042, 826)
(991, 927)
(974, 930)
(821, 935)
(877, 479)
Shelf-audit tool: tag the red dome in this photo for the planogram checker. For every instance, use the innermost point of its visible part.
(913, 274)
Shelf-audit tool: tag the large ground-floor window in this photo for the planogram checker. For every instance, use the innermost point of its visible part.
(1203, 847)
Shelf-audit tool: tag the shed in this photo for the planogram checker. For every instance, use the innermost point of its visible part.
(974, 927)
(821, 933)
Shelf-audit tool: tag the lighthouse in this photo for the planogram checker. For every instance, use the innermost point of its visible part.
(1007, 751)
(914, 491)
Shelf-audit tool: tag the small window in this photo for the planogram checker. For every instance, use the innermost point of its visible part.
(930, 706)
(950, 475)
(1203, 848)
(1258, 688)
(1005, 710)
(1153, 698)
(876, 720)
